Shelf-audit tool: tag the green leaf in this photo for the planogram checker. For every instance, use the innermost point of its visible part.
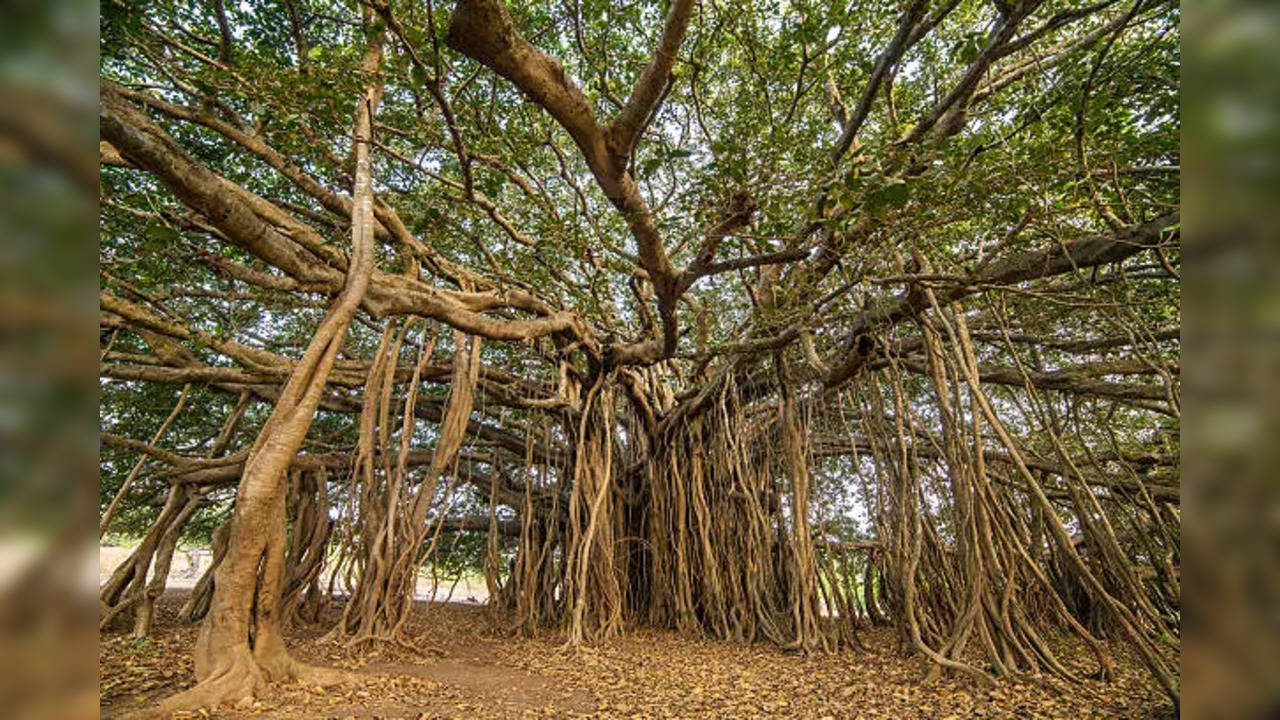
(162, 233)
(893, 194)
(417, 74)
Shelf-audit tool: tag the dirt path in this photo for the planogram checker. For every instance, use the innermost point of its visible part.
(468, 679)
(646, 674)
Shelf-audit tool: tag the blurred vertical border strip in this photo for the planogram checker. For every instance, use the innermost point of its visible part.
(48, 285)
(1231, 351)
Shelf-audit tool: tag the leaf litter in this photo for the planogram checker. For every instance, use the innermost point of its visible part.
(484, 673)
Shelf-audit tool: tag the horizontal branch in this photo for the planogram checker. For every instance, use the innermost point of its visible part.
(280, 240)
(1031, 265)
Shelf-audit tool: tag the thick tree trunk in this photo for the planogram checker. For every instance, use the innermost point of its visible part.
(240, 647)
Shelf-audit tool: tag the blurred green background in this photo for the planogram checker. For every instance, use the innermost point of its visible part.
(1231, 355)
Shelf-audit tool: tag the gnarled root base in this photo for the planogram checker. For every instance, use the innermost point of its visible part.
(239, 679)
(394, 641)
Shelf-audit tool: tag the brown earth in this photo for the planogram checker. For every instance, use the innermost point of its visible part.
(481, 673)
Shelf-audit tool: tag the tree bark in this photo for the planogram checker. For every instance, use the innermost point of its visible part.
(240, 648)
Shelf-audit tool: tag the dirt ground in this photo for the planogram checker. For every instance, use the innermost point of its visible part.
(481, 673)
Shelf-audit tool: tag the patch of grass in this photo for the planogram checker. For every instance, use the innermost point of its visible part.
(139, 647)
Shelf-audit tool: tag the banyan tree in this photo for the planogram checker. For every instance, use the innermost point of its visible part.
(762, 321)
